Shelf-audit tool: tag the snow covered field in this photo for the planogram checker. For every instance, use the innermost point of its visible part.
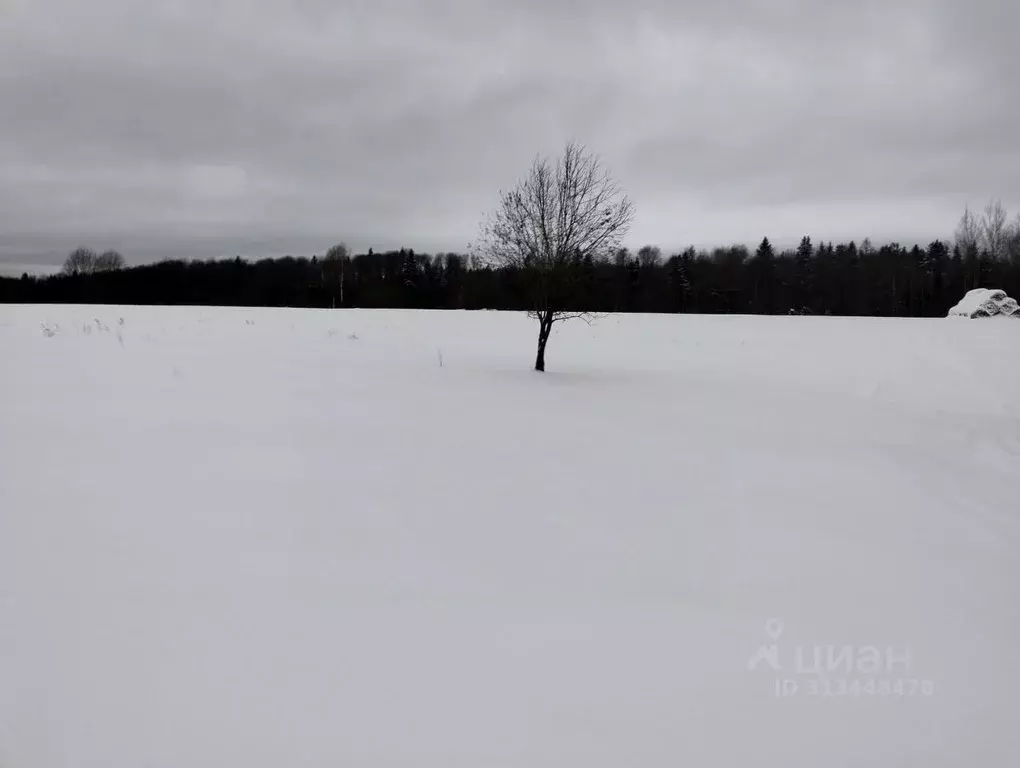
(245, 538)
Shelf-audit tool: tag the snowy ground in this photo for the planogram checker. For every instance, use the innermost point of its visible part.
(247, 538)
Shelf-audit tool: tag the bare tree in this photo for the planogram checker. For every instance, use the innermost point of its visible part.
(548, 224)
(968, 232)
(110, 261)
(995, 230)
(81, 261)
(649, 256)
(1013, 240)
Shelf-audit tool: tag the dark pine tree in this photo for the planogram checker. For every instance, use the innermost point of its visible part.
(938, 265)
(802, 274)
(763, 278)
(680, 280)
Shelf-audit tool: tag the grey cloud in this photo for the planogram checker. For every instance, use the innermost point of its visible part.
(223, 126)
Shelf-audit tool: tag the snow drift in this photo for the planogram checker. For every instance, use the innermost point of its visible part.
(986, 302)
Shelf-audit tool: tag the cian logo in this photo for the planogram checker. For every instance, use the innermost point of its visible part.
(837, 670)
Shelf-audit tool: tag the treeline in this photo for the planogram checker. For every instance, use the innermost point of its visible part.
(819, 279)
(830, 279)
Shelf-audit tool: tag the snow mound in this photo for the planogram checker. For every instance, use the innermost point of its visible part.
(986, 302)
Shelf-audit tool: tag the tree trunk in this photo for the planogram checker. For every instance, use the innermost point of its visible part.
(544, 327)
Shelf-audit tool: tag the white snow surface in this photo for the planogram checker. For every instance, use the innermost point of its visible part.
(264, 538)
(986, 302)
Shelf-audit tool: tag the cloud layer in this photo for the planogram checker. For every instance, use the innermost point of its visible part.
(207, 127)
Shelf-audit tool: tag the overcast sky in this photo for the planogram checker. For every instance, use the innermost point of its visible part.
(216, 127)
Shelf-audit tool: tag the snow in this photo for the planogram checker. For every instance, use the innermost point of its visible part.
(986, 302)
(251, 537)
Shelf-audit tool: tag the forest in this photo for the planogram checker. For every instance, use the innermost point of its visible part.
(819, 279)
